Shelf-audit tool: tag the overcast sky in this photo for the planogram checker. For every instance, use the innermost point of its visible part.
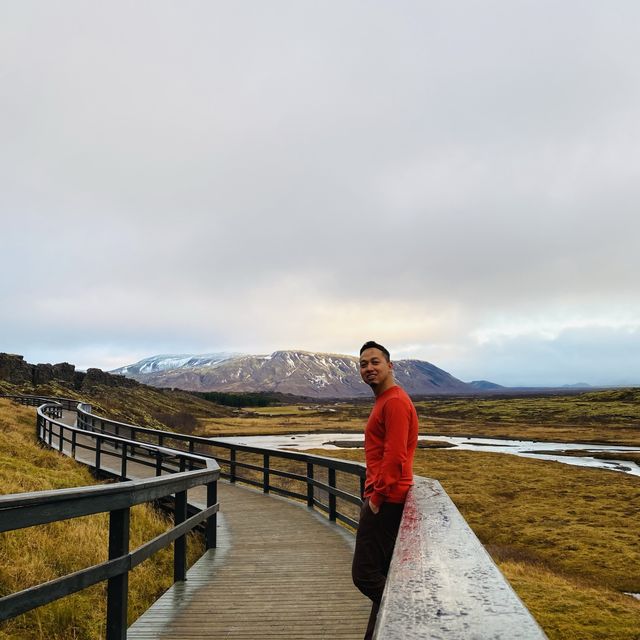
(459, 180)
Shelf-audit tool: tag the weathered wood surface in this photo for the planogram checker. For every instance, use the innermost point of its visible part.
(280, 570)
(442, 583)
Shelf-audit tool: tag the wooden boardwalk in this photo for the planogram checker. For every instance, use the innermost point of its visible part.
(280, 570)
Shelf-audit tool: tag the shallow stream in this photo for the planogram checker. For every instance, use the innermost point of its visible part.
(525, 448)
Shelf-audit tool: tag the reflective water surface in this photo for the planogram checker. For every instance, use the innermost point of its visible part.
(525, 448)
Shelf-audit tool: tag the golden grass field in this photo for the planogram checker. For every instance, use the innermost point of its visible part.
(37, 554)
(604, 416)
(140, 404)
(566, 537)
(600, 416)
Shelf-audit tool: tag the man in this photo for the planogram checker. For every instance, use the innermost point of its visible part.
(391, 436)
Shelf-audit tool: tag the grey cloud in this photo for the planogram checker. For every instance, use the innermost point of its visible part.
(200, 160)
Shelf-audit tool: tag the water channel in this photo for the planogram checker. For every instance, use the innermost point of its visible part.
(525, 448)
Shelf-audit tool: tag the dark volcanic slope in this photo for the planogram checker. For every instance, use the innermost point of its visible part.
(421, 377)
(319, 375)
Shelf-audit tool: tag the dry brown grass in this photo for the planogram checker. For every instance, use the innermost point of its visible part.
(277, 424)
(602, 417)
(569, 609)
(629, 456)
(141, 405)
(37, 554)
(566, 537)
(545, 432)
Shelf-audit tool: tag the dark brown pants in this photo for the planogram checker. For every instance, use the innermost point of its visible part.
(375, 540)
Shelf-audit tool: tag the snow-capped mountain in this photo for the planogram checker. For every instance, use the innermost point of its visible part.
(319, 375)
(156, 364)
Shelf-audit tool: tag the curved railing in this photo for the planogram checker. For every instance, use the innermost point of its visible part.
(330, 485)
(442, 582)
(35, 401)
(186, 470)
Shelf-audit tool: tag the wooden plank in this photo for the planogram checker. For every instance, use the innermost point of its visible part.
(265, 580)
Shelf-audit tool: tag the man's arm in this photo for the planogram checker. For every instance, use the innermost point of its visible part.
(397, 418)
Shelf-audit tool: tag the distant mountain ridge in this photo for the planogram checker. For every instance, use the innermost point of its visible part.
(302, 373)
(166, 362)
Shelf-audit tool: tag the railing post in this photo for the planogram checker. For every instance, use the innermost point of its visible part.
(310, 484)
(265, 473)
(60, 438)
(180, 545)
(50, 432)
(98, 451)
(362, 488)
(118, 586)
(123, 462)
(74, 435)
(192, 448)
(232, 465)
(158, 463)
(332, 497)
(212, 521)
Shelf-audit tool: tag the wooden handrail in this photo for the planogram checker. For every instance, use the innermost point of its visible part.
(329, 497)
(442, 582)
(428, 593)
(35, 508)
(35, 401)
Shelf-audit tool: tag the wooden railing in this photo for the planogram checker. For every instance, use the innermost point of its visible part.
(186, 470)
(35, 401)
(330, 485)
(442, 583)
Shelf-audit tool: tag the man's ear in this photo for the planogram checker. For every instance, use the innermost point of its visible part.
(390, 364)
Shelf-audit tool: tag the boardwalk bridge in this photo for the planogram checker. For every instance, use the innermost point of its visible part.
(278, 528)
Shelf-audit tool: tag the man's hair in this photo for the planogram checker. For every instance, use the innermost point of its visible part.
(374, 345)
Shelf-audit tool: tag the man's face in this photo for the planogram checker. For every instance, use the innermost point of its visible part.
(375, 369)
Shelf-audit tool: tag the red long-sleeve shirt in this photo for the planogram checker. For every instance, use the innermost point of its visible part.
(390, 440)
